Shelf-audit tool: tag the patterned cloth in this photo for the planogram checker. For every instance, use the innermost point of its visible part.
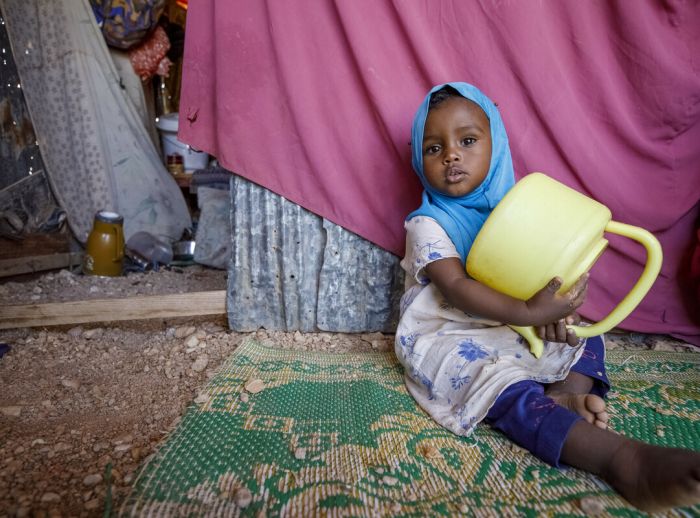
(125, 23)
(150, 57)
(97, 152)
(458, 364)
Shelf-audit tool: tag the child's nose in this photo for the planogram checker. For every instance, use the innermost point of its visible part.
(451, 155)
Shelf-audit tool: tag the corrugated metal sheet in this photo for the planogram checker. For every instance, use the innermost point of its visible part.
(293, 270)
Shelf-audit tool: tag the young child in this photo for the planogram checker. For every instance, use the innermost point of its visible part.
(463, 365)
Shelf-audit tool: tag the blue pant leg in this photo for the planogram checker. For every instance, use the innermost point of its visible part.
(532, 420)
(592, 364)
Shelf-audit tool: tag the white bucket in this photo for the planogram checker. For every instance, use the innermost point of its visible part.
(192, 159)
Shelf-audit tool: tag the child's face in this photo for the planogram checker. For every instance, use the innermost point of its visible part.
(456, 146)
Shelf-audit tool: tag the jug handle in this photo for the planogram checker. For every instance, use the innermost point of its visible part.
(118, 231)
(631, 300)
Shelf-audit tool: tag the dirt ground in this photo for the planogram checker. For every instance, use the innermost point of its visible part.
(75, 400)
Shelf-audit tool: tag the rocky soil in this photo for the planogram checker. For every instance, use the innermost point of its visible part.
(76, 400)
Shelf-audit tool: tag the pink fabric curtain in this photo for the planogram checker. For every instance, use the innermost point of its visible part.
(314, 101)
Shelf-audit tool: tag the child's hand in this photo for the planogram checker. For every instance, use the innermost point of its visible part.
(557, 332)
(547, 306)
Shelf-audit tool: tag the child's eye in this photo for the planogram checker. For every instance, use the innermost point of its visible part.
(431, 150)
(468, 141)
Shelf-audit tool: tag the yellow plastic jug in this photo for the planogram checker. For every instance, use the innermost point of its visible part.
(543, 229)
(104, 249)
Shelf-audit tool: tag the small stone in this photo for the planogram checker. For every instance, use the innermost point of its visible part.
(430, 452)
(516, 449)
(93, 333)
(664, 346)
(192, 342)
(255, 385)
(116, 475)
(71, 384)
(75, 332)
(201, 398)
(99, 446)
(93, 504)
(376, 340)
(300, 453)
(592, 506)
(200, 363)
(183, 331)
(61, 446)
(36, 442)
(122, 447)
(242, 497)
(11, 411)
(464, 508)
(92, 480)
(660, 431)
(14, 465)
(244, 397)
(50, 497)
(123, 439)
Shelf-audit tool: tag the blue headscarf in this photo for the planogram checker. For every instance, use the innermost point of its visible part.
(462, 217)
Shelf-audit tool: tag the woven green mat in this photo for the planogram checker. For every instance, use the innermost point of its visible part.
(338, 435)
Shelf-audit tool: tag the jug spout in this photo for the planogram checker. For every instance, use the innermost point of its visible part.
(535, 342)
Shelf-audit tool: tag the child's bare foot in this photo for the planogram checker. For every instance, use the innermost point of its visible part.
(653, 478)
(588, 406)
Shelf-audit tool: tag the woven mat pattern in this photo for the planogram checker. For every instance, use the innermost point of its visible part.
(338, 435)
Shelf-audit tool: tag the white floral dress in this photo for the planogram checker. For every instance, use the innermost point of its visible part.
(457, 364)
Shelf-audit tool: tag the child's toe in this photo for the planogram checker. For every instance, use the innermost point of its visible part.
(595, 404)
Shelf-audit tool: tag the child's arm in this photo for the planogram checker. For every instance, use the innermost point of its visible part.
(471, 296)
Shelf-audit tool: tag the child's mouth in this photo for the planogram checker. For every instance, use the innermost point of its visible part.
(454, 175)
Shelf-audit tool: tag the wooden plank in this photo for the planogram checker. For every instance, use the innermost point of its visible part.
(38, 263)
(31, 245)
(109, 310)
